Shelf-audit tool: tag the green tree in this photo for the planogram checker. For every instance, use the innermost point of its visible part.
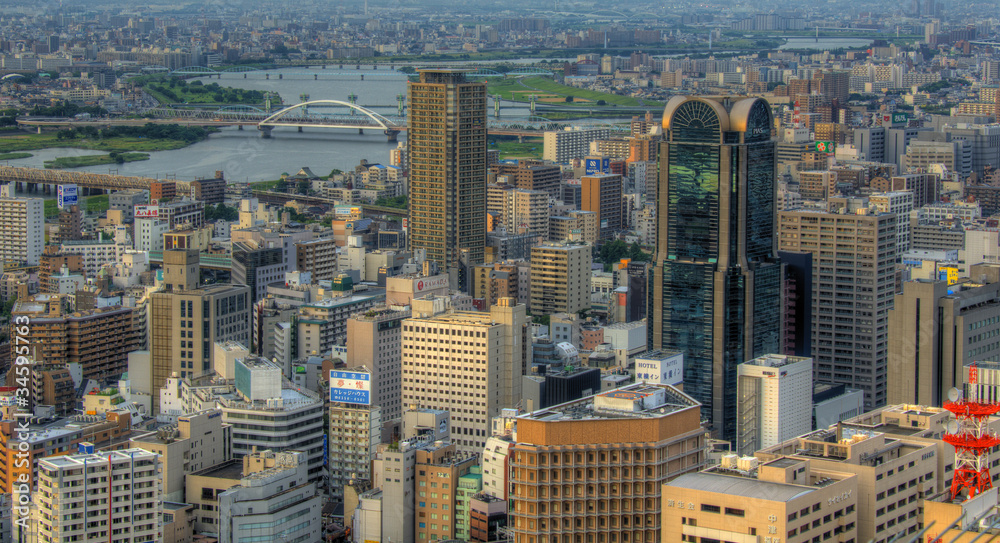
(303, 187)
(569, 98)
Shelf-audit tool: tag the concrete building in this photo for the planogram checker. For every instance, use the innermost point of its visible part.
(440, 467)
(574, 467)
(580, 226)
(788, 499)
(198, 441)
(602, 194)
(97, 339)
(900, 203)
(128, 477)
(149, 234)
(527, 212)
(775, 395)
(126, 200)
(447, 201)
(257, 267)
(560, 276)
(22, 229)
(530, 175)
(188, 319)
(318, 257)
(267, 412)
(467, 363)
(716, 280)
(274, 500)
(562, 146)
(322, 324)
(374, 340)
(937, 329)
(354, 434)
(852, 352)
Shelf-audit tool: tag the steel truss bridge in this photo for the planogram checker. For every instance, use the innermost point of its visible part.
(32, 177)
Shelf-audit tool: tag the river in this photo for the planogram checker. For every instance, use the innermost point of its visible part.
(242, 155)
(825, 43)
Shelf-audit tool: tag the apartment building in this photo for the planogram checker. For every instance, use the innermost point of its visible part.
(560, 278)
(128, 477)
(562, 146)
(900, 203)
(22, 234)
(318, 257)
(853, 290)
(99, 340)
(354, 434)
(602, 194)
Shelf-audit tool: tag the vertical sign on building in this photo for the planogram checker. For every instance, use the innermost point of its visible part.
(350, 387)
(66, 196)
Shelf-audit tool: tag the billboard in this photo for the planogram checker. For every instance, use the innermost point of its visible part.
(147, 212)
(66, 196)
(430, 283)
(899, 118)
(597, 165)
(826, 147)
(350, 387)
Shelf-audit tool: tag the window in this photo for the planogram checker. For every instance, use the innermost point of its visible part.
(735, 512)
(710, 508)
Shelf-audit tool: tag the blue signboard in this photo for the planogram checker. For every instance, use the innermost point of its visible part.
(350, 387)
(66, 196)
(597, 165)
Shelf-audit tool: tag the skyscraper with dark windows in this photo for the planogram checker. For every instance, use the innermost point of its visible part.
(447, 142)
(715, 293)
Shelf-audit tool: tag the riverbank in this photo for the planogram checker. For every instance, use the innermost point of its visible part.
(95, 160)
(137, 142)
(509, 147)
(548, 91)
(92, 204)
(15, 156)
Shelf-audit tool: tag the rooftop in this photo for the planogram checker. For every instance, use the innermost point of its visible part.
(629, 402)
(232, 469)
(736, 485)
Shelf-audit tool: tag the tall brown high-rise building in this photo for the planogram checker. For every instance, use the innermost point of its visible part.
(447, 144)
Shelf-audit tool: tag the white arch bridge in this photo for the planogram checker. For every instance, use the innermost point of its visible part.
(331, 114)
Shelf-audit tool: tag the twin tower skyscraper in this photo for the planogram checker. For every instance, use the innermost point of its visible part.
(716, 283)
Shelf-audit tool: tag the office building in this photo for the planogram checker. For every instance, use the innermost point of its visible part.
(188, 319)
(354, 434)
(716, 282)
(896, 462)
(447, 148)
(22, 229)
(560, 278)
(274, 500)
(467, 363)
(852, 293)
(440, 466)
(99, 340)
(374, 340)
(937, 329)
(267, 411)
(149, 234)
(562, 146)
(575, 468)
(50, 267)
(602, 194)
(126, 200)
(322, 324)
(128, 478)
(198, 441)
(901, 204)
(775, 401)
(257, 267)
(788, 499)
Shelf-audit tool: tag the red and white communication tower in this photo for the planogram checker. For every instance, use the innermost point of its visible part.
(970, 435)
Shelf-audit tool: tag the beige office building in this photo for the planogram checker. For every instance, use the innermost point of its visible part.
(894, 471)
(467, 363)
(374, 340)
(936, 330)
(188, 319)
(593, 469)
(198, 441)
(789, 500)
(560, 278)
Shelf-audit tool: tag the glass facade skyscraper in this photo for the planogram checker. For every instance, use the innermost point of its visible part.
(715, 293)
